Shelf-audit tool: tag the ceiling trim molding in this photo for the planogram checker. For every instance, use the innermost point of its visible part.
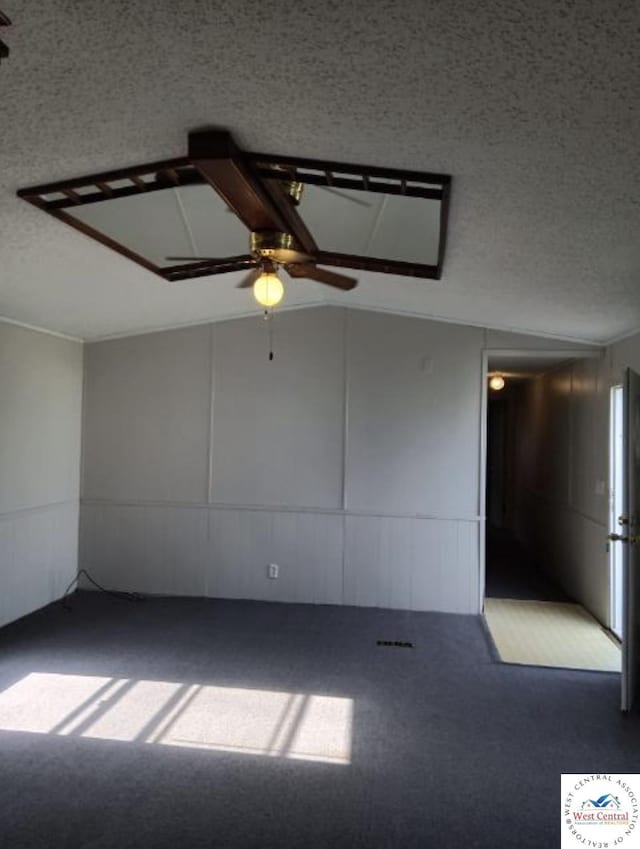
(199, 322)
(38, 329)
(465, 323)
(546, 353)
(596, 346)
(621, 338)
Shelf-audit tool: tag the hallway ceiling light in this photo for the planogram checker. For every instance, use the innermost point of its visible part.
(496, 382)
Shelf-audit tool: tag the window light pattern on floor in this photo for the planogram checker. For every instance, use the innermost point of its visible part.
(242, 720)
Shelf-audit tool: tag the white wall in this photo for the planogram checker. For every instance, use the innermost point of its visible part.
(352, 460)
(623, 354)
(278, 426)
(146, 422)
(40, 422)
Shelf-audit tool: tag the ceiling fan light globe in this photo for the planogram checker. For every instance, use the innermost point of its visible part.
(268, 290)
(497, 382)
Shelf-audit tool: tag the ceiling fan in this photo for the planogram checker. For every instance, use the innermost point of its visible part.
(271, 249)
(264, 192)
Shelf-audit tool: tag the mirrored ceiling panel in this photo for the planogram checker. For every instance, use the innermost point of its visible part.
(185, 221)
(372, 224)
(347, 216)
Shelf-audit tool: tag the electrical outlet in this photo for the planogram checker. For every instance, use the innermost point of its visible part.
(272, 570)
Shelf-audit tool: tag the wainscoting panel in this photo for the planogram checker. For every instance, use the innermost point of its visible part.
(306, 546)
(159, 549)
(411, 563)
(39, 551)
(322, 557)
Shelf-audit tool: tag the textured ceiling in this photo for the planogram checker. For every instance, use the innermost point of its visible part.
(532, 107)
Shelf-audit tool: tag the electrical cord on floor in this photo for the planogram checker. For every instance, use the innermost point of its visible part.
(115, 593)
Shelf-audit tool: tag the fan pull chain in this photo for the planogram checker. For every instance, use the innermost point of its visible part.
(268, 317)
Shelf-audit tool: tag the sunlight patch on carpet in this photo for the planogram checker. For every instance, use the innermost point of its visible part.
(545, 633)
(301, 726)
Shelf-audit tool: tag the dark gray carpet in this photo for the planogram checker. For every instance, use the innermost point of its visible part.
(450, 749)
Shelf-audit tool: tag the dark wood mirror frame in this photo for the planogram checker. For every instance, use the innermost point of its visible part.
(252, 185)
(4, 22)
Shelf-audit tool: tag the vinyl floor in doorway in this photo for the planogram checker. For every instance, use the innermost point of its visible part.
(542, 633)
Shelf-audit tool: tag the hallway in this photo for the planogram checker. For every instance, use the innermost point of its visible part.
(512, 573)
(533, 622)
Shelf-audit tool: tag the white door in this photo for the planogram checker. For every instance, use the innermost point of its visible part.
(630, 544)
(617, 477)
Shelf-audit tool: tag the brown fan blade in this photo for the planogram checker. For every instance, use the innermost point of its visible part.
(380, 266)
(322, 275)
(248, 281)
(260, 205)
(219, 260)
(222, 164)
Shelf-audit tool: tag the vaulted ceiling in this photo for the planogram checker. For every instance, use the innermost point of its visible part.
(531, 107)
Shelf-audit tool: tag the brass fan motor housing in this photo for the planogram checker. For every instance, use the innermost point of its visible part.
(278, 247)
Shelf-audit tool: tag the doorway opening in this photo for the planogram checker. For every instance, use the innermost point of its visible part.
(513, 463)
(532, 532)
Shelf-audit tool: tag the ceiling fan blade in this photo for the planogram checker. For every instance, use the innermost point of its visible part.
(248, 281)
(220, 260)
(260, 205)
(223, 166)
(322, 275)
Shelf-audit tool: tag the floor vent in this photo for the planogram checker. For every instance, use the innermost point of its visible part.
(398, 644)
